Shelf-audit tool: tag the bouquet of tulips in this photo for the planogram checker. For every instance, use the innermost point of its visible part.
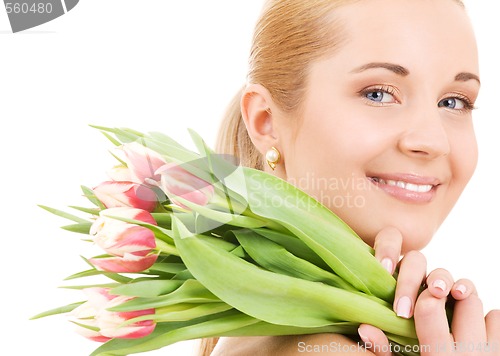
(196, 246)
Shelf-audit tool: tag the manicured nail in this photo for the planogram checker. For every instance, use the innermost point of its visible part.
(387, 264)
(364, 338)
(403, 307)
(461, 288)
(439, 284)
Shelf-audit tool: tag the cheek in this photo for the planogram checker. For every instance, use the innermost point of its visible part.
(464, 158)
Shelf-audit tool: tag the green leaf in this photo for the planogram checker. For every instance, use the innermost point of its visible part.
(182, 312)
(122, 134)
(147, 289)
(79, 228)
(163, 219)
(279, 299)
(111, 138)
(64, 214)
(169, 268)
(91, 211)
(263, 328)
(183, 275)
(222, 217)
(85, 326)
(170, 147)
(89, 194)
(276, 258)
(59, 310)
(294, 245)
(94, 272)
(103, 285)
(220, 243)
(191, 291)
(200, 144)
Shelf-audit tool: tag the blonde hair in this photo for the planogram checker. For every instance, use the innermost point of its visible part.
(289, 36)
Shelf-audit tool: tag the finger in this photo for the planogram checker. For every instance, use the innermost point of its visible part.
(493, 329)
(439, 282)
(388, 247)
(468, 324)
(431, 322)
(374, 340)
(462, 289)
(412, 272)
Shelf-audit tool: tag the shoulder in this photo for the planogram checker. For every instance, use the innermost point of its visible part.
(318, 344)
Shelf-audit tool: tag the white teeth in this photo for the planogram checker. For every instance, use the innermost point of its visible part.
(424, 188)
(412, 187)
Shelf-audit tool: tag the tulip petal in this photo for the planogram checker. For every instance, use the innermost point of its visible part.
(142, 161)
(178, 182)
(120, 174)
(126, 194)
(126, 264)
(129, 213)
(130, 239)
(91, 334)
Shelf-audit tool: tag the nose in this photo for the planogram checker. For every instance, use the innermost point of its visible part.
(425, 138)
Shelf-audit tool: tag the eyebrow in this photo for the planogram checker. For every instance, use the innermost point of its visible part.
(396, 68)
(402, 71)
(465, 76)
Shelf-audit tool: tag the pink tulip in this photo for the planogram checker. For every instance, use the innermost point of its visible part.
(105, 324)
(126, 194)
(129, 263)
(120, 174)
(177, 182)
(130, 245)
(142, 162)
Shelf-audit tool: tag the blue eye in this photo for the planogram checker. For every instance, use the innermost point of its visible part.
(453, 103)
(379, 96)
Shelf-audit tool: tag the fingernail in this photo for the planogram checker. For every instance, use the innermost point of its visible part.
(403, 307)
(364, 338)
(461, 288)
(439, 284)
(387, 264)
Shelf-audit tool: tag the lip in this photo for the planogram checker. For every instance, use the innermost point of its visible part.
(403, 194)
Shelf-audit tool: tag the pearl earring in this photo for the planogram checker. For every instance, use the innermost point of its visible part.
(273, 157)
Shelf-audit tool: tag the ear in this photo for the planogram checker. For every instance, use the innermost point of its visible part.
(256, 109)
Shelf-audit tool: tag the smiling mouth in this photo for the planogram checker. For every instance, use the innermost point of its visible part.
(412, 187)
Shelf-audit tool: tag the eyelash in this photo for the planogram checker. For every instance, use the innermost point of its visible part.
(468, 104)
(382, 88)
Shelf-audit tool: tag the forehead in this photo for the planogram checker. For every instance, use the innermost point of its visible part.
(418, 32)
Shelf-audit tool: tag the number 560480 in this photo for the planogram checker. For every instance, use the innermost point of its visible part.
(25, 8)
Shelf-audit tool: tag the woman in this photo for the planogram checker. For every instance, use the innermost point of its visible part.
(366, 106)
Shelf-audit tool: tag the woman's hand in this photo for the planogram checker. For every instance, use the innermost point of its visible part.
(471, 332)
(412, 272)
(469, 325)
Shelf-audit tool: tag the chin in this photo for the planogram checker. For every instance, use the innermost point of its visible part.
(415, 239)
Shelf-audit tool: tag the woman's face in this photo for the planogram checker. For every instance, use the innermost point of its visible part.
(386, 135)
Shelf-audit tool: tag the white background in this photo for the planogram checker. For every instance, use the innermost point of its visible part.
(166, 66)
